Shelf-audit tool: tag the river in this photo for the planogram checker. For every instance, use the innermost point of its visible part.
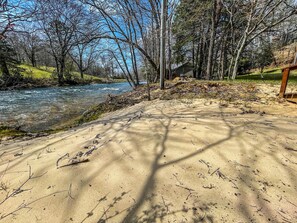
(43, 108)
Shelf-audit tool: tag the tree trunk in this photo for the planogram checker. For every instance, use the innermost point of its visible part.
(33, 60)
(61, 71)
(81, 66)
(238, 55)
(5, 70)
(163, 44)
(214, 18)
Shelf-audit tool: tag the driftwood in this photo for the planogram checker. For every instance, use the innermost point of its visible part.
(74, 162)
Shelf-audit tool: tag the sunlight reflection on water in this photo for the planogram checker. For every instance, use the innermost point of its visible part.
(38, 109)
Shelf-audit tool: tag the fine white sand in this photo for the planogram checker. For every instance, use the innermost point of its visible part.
(160, 161)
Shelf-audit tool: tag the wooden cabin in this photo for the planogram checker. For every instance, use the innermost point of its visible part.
(182, 70)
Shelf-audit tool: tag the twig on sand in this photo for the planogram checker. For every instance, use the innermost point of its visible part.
(207, 164)
(238, 164)
(181, 183)
(167, 209)
(186, 188)
(74, 162)
(219, 173)
(69, 192)
(25, 205)
(20, 187)
(62, 157)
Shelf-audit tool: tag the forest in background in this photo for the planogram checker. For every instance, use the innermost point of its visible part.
(121, 38)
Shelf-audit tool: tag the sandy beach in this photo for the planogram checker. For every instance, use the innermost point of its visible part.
(162, 161)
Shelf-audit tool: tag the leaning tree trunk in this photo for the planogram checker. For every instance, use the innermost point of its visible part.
(238, 55)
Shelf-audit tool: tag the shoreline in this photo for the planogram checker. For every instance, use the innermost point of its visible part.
(178, 90)
(50, 84)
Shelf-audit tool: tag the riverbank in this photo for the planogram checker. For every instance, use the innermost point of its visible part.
(41, 77)
(35, 110)
(226, 92)
(28, 83)
(185, 159)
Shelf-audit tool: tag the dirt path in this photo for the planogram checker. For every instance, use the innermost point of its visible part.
(164, 161)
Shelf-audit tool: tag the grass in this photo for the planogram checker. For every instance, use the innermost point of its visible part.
(46, 73)
(270, 76)
(35, 73)
(10, 132)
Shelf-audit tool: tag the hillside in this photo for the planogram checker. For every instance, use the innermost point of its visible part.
(285, 55)
(32, 77)
(270, 75)
(47, 73)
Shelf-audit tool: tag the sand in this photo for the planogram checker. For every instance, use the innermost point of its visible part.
(160, 161)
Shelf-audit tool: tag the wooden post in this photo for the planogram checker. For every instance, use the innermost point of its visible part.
(286, 73)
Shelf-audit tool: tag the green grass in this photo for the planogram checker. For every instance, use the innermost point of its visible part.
(36, 73)
(46, 73)
(271, 76)
(10, 132)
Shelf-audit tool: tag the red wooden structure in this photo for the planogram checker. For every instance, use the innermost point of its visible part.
(286, 73)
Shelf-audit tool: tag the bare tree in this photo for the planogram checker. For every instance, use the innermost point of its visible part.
(257, 17)
(60, 21)
(11, 13)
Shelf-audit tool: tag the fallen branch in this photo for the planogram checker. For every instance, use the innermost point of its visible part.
(26, 205)
(74, 162)
(19, 189)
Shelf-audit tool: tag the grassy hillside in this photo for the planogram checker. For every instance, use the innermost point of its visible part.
(46, 73)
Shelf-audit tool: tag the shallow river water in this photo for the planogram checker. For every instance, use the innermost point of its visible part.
(42, 108)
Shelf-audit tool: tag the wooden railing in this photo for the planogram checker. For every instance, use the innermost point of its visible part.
(285, 78)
